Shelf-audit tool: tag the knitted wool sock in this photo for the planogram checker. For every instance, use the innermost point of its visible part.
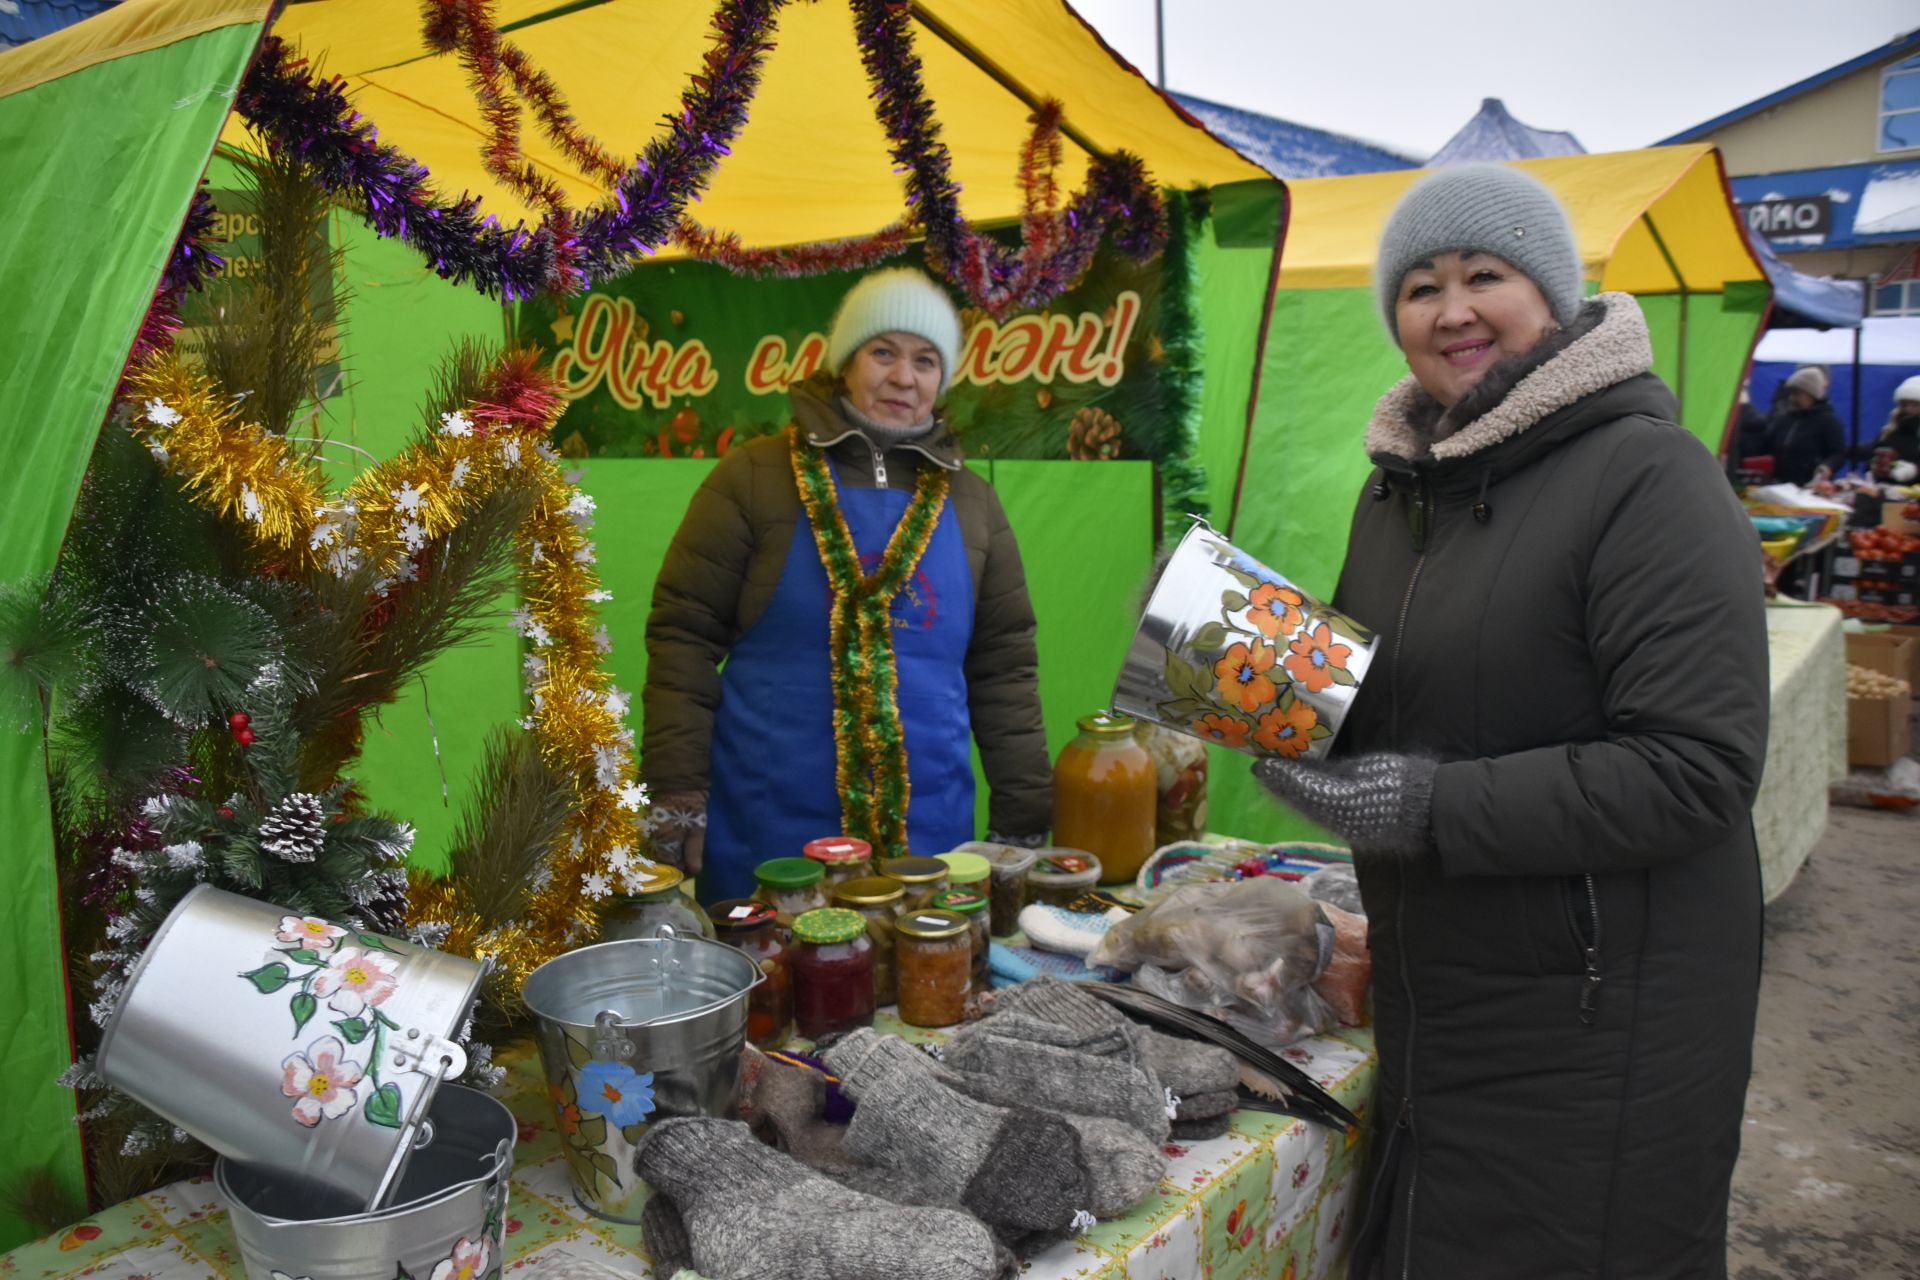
(1019, 1171)
(666, 1235)
(1059, 1069)
(1209, 1127)
(748, 1212)
(1188, 1067)
(1122, 1163)
(785, 1106)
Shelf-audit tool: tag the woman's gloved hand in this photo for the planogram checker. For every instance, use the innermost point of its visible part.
(677, 829)
(1380, 803)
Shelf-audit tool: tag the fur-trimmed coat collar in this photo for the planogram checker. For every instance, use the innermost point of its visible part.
(1606, 344)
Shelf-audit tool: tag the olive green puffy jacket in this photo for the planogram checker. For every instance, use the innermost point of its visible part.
(726, 560)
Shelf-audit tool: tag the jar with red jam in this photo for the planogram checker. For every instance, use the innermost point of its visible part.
(753, 928)
(842, 858)
(832, 972)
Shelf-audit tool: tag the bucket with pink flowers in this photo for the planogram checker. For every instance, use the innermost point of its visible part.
(289, 1042)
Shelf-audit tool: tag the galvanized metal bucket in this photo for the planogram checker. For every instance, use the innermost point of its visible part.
(630, 1032)
(285, 1040)
(1234, 653)
(450, 1207)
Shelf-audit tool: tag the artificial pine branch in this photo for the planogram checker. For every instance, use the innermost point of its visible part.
(500, 848)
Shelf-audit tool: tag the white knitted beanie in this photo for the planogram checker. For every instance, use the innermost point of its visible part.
(1810, 378)
(897, 300)
(1481, 208)
(1908, 391)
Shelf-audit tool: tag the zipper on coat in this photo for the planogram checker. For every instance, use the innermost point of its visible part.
(1589, 937)
(879, 464)
(1422, 511)
(1413, 1185)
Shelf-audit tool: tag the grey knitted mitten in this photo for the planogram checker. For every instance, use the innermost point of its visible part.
(1064, 1070)
(1379, 803)
(1199, 1074)
(1018, 1170)
(666, 1235)
(747, 1212)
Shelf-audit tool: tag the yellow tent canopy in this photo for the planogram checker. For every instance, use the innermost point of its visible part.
(1648, 222)
(812, 162)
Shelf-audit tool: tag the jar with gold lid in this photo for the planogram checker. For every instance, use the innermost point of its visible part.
(661, 899)
(972, 903)
(880, 901)
(936, 967)
(1105, 795)
(923, 877)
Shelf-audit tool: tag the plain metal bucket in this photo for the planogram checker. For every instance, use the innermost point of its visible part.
(282, 1040)
(630, 1032)
(1230, 652)
(450, 1207)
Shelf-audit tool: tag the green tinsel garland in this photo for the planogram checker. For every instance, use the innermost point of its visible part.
(869, 744)
(1183, 480)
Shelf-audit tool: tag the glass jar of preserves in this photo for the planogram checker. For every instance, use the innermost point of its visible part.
(936, 967)
(663, 900)
(972, 904)
(880, 902)
(790, 886)
(843, 858)
(754, 928)
(832, 972)
(923, 878)
(1179, 783)
(1105, 795)
(1061, 875)
(966, 870)
(1006, 884)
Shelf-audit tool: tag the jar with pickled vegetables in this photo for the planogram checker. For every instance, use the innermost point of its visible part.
(880, 902)
(1105, 795)
(790, 886)
(936, 967)
(972, 904)
(842, 858)
(663, 900)
(923, 878)
(832, 972)
(753, 928)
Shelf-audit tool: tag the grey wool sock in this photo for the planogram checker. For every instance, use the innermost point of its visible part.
(747, 1212)
(1061, 1069)
(1188, 1067)
(1211, 1126)
(666, 1235)
(785, 1107)
(1018, 1170)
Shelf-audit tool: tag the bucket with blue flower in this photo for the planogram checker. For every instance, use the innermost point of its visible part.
(630, 1032)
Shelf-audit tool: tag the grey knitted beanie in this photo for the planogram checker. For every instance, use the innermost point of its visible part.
(1483, 208)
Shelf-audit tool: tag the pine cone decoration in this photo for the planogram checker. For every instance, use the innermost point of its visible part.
(294, 830)
(1093, 433)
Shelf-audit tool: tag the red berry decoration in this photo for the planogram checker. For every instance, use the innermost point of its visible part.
(243, 736)
(225, 811)
(239, 720)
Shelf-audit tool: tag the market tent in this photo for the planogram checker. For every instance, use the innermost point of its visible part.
(1865, 362)
(106, 127)
(1493, 134)
(1655, 223)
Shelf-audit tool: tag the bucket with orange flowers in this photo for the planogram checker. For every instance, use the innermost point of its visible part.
(1233, 653)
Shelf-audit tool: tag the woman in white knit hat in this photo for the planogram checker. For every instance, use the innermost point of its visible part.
(1547, 777)
(1902, 432)
(1804, 435)
(842, 610)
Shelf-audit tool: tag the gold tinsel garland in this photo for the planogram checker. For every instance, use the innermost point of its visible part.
(394, 509)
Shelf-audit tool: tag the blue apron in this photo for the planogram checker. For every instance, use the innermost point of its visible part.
(771, 787)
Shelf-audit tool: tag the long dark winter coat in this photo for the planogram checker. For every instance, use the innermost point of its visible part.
(726, 559)
(1804, 440)
(1570, 608)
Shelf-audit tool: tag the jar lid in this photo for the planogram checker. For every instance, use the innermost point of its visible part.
(961, 900)
(837, 849)
(1008, 857)
(932, 924)
(1067, 863)
(659, 878)
(741, 915)
(1106, 724)
(966, 868)
(789, 873)
(911, 870)
(829, 924)
(869, 891)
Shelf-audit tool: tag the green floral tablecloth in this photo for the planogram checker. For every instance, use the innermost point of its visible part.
(1273, 1198)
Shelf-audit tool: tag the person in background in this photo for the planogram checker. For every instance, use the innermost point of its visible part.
(1804, 435)
(1546, 777)
(1749, 428)
(744, 680)
(1902, 432)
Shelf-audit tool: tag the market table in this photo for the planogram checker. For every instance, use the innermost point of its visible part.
(1806, 740)
(1273, 1198)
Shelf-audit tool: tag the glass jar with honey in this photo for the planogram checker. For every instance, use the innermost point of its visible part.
(1105, 795)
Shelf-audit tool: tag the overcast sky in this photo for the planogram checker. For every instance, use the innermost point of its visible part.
(1618, 74)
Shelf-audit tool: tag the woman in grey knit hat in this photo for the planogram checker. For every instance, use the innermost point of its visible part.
(1547, 776)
